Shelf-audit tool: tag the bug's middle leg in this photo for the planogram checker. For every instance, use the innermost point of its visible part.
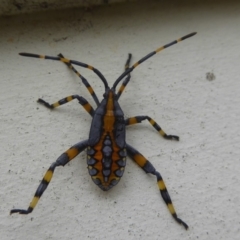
(61, 161)
(139, 119)
(149, 168)
(65, 100)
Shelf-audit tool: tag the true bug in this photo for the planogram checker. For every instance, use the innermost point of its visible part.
(106, 145)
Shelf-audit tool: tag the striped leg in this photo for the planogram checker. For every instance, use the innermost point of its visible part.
(84, 81)
(127, 79)
(139, 119)
(61, 161)
(149, 168)
(65, 60)
(80, 99)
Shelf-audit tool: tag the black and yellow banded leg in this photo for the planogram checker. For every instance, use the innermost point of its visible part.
(65, 60)
(80, 99)
(61, 161)
(84, 81)
(149, 168)
(139, 119)
(127, 79)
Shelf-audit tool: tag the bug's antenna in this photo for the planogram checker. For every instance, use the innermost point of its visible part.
(65, 60)
(150, 55)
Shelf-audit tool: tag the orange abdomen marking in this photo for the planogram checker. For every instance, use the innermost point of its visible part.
(106, 160)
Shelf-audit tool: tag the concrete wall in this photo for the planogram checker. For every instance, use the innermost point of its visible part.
(190, 89)
(31, 6)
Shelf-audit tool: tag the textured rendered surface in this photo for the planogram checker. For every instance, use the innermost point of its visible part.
(30, 6)
(191, 90)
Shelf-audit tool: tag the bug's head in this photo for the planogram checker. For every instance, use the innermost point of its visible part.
(109, 93)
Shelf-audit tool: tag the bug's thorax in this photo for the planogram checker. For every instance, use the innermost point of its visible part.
(106, 152)
(109, 117)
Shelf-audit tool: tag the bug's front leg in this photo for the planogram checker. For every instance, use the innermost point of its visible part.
(149, 168)
(127, 79)
(84, 81)
(139, 119)
(61, 161)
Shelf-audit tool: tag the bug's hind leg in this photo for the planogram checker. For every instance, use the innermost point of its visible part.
(139, 119)
(127, 79)
(65, 100)
(149, 168)
(61, 161)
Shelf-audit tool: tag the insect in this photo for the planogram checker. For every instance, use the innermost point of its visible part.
(106, 145)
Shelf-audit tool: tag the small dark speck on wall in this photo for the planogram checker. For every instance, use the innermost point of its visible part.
(210, 76)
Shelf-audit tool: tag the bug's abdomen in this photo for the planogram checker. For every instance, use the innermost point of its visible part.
(106, 162)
